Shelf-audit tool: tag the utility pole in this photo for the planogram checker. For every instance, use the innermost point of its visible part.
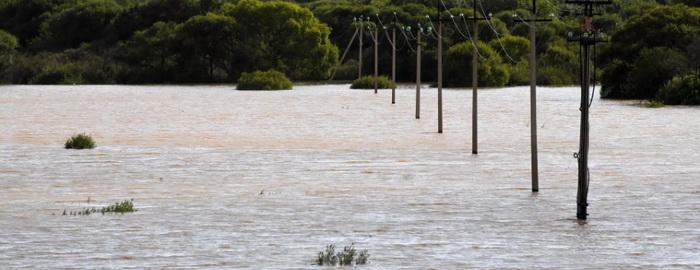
(393, 61)
(587, 39)
(439, 60)
(475, 80)
(418, 70)
(359, 54)
(376, 59)
(533, 95)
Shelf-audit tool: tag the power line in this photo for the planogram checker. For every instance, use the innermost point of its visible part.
(498, 36)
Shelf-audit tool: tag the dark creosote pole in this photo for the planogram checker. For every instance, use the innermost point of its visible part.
(376, 58)
(418, 70)
(587, 39)
(533, 92)
(393, 59)
(475, 80)
(439, 68)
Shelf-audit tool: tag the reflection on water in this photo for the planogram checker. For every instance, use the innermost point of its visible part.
(227, 179)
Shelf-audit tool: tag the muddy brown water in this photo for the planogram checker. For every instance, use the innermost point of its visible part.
(226, 179)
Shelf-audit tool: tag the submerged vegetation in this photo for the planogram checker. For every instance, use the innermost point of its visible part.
(264, 80)
(80, 141)
(126, 206)
(347, 256)
(367, 82)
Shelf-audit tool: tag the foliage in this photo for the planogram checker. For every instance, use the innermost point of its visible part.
(348, 256)
(80, 141)
(681, 90)
(492, 71)
(83, 22)
(264, 80)
(283, 36)
(367, 82)
(346, 71)
(215, 41)
(649, 51)
(207, 40)
(126, 206)
(655, 104)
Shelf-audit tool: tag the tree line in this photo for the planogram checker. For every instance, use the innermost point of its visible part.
(653, 53)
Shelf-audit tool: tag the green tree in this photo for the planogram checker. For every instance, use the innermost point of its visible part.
(8, 45)
(283, 36)
(77, 24)
(648, 52)
(458, 69)
(210, 37)
(153, 49)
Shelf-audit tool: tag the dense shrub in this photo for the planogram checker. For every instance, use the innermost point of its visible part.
(80, 141)
(681, 90)
(348, 256)
(458, 66)
(367, 82)
(264, 80)
(346, 71)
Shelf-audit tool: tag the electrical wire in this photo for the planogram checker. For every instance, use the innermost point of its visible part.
(386, 32)
(466, 26)
(498, 36)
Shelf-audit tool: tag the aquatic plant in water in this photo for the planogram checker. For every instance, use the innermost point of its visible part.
(80, 141)
(348, 256)
(126, 206)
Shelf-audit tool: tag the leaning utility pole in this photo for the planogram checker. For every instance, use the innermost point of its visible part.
(475, 80)
(533, 94)
(587, 39)
(418, 70)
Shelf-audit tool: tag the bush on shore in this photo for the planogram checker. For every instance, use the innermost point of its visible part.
(367, 82)
(681, 90)
(80, 141)
(264, 80)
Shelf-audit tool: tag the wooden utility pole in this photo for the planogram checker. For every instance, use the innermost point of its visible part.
(393, 63)
(587, 39)
(418, 70)
(475, 79)
(439, 68)
(533, 94)
(376, 59)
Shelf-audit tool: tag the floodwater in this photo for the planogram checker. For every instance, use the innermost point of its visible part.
(225, 179)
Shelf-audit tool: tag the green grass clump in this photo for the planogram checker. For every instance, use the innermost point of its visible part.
(126, 206)
(80, 141)
(367, 82)
(264, 80)
(655, 104)
(348, 256)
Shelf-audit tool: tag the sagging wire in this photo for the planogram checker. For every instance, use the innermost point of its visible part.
(595, 77)
(466, 26)
(385, 32)
(403, 33)
(452, 17)
(498, 36)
